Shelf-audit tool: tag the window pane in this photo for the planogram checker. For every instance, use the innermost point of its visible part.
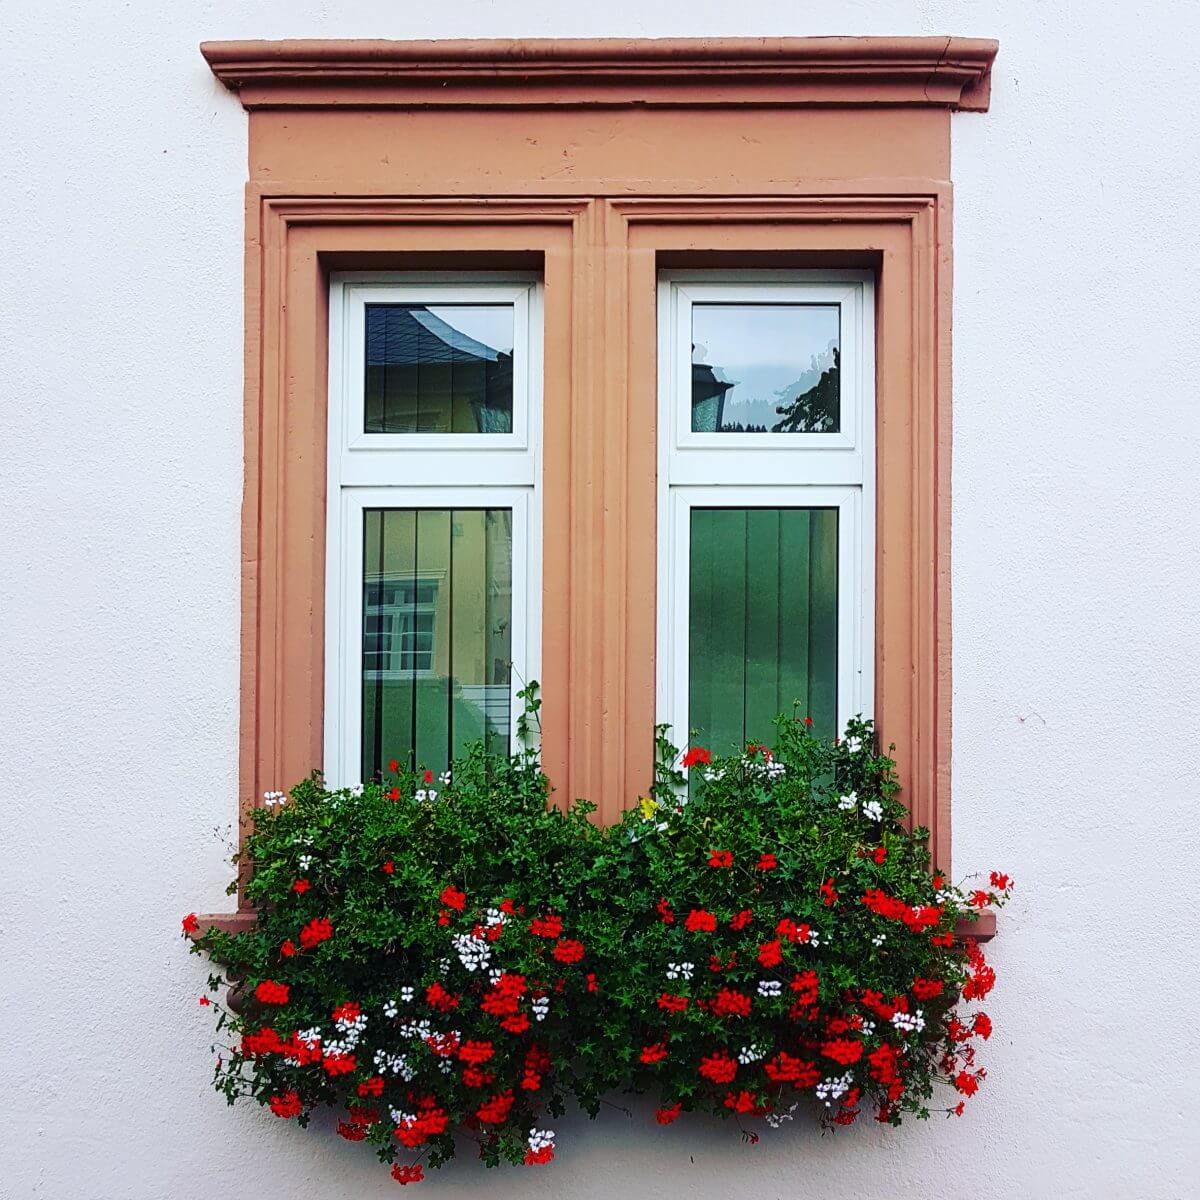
(437, 633)
(763, 622)
(765, 368)
(443, 368)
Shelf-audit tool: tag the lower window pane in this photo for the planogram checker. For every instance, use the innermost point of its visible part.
(763, 622)
(437, 633)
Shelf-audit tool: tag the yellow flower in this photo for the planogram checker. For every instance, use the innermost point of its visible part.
(648, 807)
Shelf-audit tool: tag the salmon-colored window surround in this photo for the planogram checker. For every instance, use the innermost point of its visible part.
(597, 164)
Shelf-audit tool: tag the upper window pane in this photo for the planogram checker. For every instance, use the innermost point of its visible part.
(444, 368)
(765, 368)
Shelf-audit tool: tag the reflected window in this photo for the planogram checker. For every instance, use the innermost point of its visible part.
(765, 368)
(437, 633)
(439, 368)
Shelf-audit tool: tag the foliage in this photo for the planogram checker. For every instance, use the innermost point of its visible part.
(455, 958)
(814, 411)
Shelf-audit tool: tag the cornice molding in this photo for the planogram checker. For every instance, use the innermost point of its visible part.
(943, 72)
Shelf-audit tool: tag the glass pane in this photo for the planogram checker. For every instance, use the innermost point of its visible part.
(444, 368)
(765, 368)
(437, 633)
(763, 622)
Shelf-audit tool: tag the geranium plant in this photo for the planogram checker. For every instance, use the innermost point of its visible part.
(446, 958)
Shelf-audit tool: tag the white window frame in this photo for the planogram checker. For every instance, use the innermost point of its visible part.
(753, 470)
(423, 471)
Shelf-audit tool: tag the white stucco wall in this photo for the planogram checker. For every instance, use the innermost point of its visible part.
(1077, 636)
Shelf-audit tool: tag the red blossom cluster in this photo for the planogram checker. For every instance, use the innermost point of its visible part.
(429, 1120)
(318, 930)
(917, 918)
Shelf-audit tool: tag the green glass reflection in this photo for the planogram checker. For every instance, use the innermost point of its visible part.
(763, 632)
(439, 368)
(437, 633)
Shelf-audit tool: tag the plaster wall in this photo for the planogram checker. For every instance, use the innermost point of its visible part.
(1075, 560)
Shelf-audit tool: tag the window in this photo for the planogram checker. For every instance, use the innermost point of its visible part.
(433, 523)
(658, 175)
(766, 500)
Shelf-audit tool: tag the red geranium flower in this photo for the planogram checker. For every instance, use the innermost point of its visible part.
(535, 1158)
(287, 1105)
(546, 927)
(674, 1004)
(805, 985)
(879, 854)
(728, 1003)
(653, 1054)
(495, 1111)
(664, 1116)
(843, 1050)
(451, 897)
(741, 919)
(389, 867)
(394, 794)
(664, 911)
(697, 754)
(982, 1025)
(1001, 882)
(787, 1068)
(828, 894)
(205, 1001)
(318, 930)
(437, 997)
(339, 1064)
(766, 863)
(270, 992)
(966, 1083)
(371, 1087)
(288, 948)
(718, 1067)
(567, 950)
(720, 858)
(770, 954)
(979, 899)
(191, 923)
(700, 921)
(402, 1173)
(517, 1023)
(301, 886)
(428, 776)
(808, 720)
(352, 1131)
(393, 765)
(926, 989)
(475, 1052)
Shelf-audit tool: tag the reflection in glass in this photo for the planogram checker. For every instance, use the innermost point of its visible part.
(763, 622)
(437, 633)
(439, 368)
(765, 368)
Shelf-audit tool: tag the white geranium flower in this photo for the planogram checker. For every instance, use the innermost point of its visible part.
(541, 1139)
(776, 1119)
(873, 810)
(848, 801)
